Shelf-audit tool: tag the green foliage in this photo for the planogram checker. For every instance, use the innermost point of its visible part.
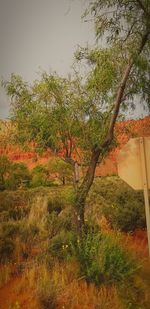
(60, 245)
(40, 177)
(19, 176)
(101, 258)
(86, 251)
(122, 206)
(13, 175)
(8, 232)
(17, 240)
(61, 168)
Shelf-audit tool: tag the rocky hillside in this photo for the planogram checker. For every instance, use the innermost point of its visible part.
(124, 131)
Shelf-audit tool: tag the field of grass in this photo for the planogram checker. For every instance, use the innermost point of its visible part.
(43, 264)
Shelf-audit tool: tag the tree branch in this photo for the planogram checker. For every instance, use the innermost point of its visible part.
(121, 89)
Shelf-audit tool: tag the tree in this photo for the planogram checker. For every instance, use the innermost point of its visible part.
(81, 113)
(63, 169)
(126, 27)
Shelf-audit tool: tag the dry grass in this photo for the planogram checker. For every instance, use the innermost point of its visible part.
(61, 288)
(137, 243)
(80, 295)
(5, 274)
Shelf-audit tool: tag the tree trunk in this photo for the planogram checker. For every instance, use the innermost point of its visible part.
(84, 188)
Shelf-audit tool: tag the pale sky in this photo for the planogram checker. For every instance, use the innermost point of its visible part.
(39, 35)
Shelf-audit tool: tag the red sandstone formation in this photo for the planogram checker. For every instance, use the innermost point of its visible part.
(123, 132)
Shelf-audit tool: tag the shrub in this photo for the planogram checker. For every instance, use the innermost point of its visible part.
(117, 264)
(19, 176)
(40, 177)
(60, 245)
(55, 204)
(8, 232)
(101, 258)
(17, 240)
(46, 285)
(14, 205)
(86, 251)
(121, 205)
(62, 169)
(13, 175)
(7, 247)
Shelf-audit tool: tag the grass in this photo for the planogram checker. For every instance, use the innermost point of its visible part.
(35, 218)
(62, 288)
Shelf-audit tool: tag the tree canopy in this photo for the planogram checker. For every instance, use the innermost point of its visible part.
(80, 113)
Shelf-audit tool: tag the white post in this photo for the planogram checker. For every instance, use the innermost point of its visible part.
(145, 188)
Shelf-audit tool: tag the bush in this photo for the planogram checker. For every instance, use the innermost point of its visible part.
(19, 176)
(8, 232)
(86, 251)
(118, 265)
(55, 204)
(101, 258)
(45, 285)
(62, 169)
(7, 247)
(60, 245)
(40, 177)
(16, 240)
(13, 175)
(14, 205)
(121, 205)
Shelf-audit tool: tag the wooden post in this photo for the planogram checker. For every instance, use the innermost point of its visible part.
(145, 188)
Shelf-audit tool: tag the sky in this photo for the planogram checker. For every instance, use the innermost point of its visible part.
(38, 35)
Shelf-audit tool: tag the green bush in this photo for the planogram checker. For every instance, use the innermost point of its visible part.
(101, 258)
(17, 239)
(122, 206)
(8, 232)
(19, 176)
(60, 245)
(117, 264)
(86, 250)
(13, 175)
(62, 169)
(40, 177)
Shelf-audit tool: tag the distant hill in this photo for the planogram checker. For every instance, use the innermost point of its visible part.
(124, 131)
